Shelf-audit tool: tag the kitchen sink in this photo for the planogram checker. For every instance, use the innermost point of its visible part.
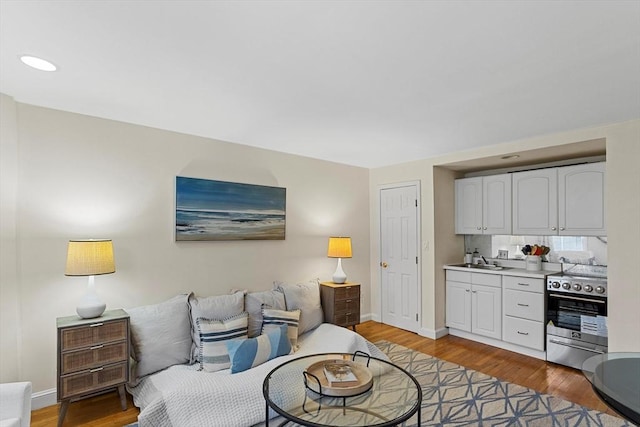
(480, 266)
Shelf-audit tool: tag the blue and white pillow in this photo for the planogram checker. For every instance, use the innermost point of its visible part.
(214, 334)
(246, 354)
(272, 319)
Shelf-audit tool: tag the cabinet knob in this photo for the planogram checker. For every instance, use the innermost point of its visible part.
(484, 228)
(384, 265)
(561, 228)
(478, 228)
(553, 228)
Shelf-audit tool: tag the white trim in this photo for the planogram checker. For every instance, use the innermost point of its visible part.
(415, 184)
(366, 317)
(434, 334)
(44, 398)
(500, 344)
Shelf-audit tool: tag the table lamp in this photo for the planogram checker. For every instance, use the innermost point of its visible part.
(90, 258)
(339, 247)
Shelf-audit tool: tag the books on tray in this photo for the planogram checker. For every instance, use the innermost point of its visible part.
(340, 374)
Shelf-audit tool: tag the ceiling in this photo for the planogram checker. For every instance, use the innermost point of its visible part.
(366, 83)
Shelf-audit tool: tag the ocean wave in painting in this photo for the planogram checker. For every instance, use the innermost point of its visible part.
(199, 224)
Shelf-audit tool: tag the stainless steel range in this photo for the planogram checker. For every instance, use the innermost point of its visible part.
(576, 318)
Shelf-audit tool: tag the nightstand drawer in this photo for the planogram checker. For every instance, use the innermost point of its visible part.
(93, 334)
(347, 292)
(347, 319)
(93, 357)
(92, 380)
(346, 305)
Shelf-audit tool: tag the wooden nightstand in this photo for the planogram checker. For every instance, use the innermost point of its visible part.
(93, 357)
(341, 303)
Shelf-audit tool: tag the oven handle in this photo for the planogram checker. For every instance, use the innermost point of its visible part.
(592, 350)
(577, 298)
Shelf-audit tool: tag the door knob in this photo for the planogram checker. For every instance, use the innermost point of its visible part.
(384, 265)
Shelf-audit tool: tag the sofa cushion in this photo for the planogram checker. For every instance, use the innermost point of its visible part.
(306, 298)
(246, 354)
(273, 319)
(214, 335)
(217, 307)
(253, 302)
(160, 335)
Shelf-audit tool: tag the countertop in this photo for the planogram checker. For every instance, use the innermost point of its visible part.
(505, 271)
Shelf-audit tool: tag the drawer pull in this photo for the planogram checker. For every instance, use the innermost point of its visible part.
(523, 333)
(523, 305)
(96, 370)
(348, 287)
(523, 284)
(349, 300)
(93, 325)
(96, 347)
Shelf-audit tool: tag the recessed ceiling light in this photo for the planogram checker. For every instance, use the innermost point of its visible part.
(38, 63)
(511, 156)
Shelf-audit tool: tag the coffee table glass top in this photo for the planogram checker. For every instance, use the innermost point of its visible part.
(395, 395)
(616, 378)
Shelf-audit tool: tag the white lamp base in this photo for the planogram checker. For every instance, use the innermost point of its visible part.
(90, 306)
(339, 276)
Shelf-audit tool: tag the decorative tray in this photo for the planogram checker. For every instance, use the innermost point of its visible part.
(316, 380)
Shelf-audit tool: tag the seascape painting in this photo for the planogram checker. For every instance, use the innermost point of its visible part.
(218, 210)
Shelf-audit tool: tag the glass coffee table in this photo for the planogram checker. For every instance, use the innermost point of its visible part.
(615, 377)
(392, 396)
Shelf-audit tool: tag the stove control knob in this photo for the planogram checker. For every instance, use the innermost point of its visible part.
(588, 288)
(600, 289)
(566, 286)
(577, 287)
(556, 285)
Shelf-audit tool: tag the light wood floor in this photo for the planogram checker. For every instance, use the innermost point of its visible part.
(566, 383)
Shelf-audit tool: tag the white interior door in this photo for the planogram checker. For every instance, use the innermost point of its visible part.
(400, 293)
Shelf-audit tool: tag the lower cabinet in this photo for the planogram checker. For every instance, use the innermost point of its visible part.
(474, 303)
(524, 311)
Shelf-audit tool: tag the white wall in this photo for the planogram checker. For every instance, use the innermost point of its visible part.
(81, 177)
(443, 246)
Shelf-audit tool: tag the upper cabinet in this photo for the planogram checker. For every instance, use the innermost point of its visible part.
(565, 201)
(581, 196)
(483, 205)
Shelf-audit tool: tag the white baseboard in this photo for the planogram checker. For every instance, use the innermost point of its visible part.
(500, 344)
(434, 334)
(366, 317)
(44, 398)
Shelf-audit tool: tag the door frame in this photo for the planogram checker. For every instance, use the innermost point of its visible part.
(381, 187)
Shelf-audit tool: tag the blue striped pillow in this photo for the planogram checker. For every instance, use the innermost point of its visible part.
(246, 354)
(272, 319)
(214, 334)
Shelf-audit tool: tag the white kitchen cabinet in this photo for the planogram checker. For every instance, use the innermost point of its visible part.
(483, 205)
(581, 196)
(473, 303)
(565, 201)
(535, 202)
(523, 311)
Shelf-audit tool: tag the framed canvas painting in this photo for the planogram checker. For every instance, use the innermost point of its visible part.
(219, 210)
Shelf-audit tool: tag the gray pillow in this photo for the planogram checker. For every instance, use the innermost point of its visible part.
(253, 305)
(217, 307)
(306, 298)
(160, 335)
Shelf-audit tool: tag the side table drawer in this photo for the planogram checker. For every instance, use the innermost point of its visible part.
(92, 380)
(93, 357)
(95, 333)
(347, 319)
(347, 305)
(347, 292)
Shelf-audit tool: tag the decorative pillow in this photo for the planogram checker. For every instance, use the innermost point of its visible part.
(215, 308)
(214, 334)
(160, 335)
(273, 319)
(253, 305)
(306, 297)
(246, 354)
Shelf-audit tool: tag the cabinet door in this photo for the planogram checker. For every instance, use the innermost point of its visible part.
(535, 202)
(469, 205)
(458, 306)
(486, 311)
(581, 192)
(496, 204)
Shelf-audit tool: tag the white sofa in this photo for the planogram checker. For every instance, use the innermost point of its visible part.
(15, 404)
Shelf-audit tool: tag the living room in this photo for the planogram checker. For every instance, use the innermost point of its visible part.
(67, 175)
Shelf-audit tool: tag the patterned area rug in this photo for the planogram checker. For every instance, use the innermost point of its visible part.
(456, 396)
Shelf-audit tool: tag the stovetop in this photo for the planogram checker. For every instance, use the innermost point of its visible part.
(582, 285)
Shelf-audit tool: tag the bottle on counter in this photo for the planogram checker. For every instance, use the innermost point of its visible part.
(468, 258)
(475, 257)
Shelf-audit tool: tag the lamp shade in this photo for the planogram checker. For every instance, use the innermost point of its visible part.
(89, 258)
(339, 247)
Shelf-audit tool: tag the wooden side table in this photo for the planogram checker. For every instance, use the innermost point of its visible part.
(93, 357)
(341, 303)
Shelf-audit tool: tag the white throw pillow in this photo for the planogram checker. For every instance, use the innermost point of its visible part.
(217, 307)
(214, 334)
(306, 298)
(160, 335)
